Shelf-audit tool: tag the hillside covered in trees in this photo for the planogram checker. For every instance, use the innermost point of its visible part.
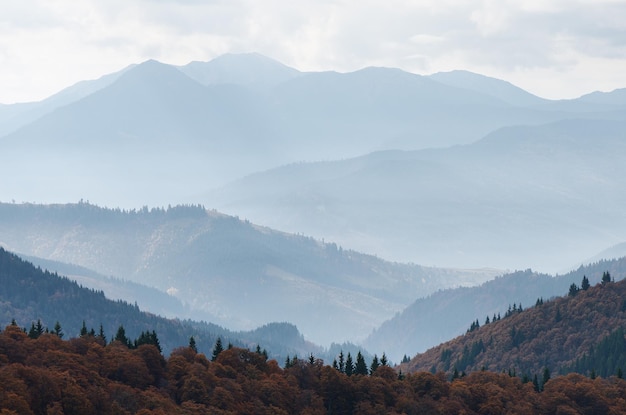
(582, 331)
(29, 295)
(49, 375)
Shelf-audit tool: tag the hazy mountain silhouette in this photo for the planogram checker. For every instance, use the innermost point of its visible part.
(514, 199)
(238, 274)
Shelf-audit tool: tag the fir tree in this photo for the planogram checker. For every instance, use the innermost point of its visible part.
(606, 278)
(374, 365)
(361, 367)
(83, 330)
(217, 349)
(342, 363)
(585, 284)
(349, 370)
(383, 360)
(57, 330)
(192, 344)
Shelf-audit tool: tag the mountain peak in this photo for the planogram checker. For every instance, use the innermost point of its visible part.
(246, 69)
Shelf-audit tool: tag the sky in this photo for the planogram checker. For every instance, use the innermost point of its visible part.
(553, 48)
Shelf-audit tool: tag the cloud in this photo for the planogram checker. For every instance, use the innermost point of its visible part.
(45, 46)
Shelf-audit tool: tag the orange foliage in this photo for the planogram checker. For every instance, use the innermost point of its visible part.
(81, 376)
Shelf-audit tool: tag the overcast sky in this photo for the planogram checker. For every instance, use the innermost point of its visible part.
(555, 49)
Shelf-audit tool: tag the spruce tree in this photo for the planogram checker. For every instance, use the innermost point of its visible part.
(83, 330)
(217, 349)
(192, 344)
(585, 284)
(374, 365)
(383, 360)
(342, 363)
(349, 365)
(361, 367)
(57, 330)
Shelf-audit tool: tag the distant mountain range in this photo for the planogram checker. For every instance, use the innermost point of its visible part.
(157, 134)
(223, 270)
(524, 196)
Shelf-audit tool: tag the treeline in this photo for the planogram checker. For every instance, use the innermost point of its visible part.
(562, 335)
(49, 375)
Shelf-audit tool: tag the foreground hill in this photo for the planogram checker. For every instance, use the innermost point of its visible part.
(447, 313)
(81, 376)
(234, 273)
(559, 334)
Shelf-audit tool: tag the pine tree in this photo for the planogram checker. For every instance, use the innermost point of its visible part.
(217, 349)
(585, 284)
(57, 330)
(83, 330)
(101, 334)
(606, 278)
(120, 336)
(349, 365)
(374, 365)
(383, 360)
(192, 344)
(573, 290)
(361, 367)
(342, 363)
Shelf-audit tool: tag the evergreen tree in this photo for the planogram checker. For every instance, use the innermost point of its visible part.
(287, 362)
(349, 365)
(57, 330)
(120, 336)
(217, 349)
(545, 378)
(342, 363)
(585, 284)
(374, 365)
(361, 367)
(606, 278)
(383, 360)
(101, 334)
(83, 330)
(192, 344)
(573, 290)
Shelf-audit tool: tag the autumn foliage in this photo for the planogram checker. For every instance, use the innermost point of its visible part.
(49, 375)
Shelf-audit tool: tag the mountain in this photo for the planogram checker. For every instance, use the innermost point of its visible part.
(157, 134)
(29, 294)
(234, 273)
(12, 117)
(496, 88)
(448, 313)
(246, 69)
(554, 334)
(514, 199)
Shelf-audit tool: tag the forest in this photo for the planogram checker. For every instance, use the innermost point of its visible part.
(83, 375)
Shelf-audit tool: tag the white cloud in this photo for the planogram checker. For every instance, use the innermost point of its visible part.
(547, 45)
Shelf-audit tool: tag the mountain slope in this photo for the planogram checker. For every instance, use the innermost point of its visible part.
(511, 200)
(503, 90)
(238, 274)
(447, 313)
(553, 334)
